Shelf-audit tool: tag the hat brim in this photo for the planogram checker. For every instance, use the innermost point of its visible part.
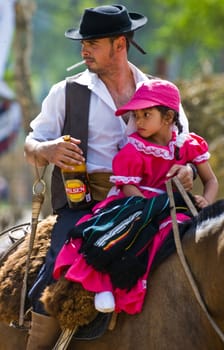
(137, 22)
(135, 105)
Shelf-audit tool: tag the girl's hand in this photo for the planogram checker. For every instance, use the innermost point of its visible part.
(184, 174)
(201, 201)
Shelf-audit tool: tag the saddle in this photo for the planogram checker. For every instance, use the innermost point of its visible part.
(95, 329)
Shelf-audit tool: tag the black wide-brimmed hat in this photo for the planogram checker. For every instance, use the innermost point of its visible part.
(106, 21)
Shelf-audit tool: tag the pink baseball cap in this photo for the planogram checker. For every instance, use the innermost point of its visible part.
(155, 92)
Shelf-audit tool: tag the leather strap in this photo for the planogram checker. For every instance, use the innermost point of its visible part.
(77, 114)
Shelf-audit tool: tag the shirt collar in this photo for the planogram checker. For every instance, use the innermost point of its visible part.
(91, 79)
(97, 86)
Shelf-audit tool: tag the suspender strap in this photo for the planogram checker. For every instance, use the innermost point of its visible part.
(77, 114)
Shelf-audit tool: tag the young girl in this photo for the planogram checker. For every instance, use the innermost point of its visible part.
(111, 253)
(156, 146)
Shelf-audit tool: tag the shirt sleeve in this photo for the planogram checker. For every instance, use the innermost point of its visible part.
(49, 123)
(128, 167)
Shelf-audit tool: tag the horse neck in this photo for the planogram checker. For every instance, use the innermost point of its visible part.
(205, 255)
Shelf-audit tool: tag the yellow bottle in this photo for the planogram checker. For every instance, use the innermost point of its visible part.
(77, 185)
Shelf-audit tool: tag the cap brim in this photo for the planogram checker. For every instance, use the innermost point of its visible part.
(134, 105)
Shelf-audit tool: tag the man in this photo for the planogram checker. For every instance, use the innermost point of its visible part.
(105, 33)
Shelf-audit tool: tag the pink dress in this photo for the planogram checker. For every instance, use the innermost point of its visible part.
(145, 164)
(137, 163)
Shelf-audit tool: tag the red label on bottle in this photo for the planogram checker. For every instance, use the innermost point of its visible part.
(76, 190)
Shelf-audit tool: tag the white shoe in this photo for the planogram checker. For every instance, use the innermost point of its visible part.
(104, 302)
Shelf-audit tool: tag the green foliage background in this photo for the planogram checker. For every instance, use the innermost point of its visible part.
(185, 33)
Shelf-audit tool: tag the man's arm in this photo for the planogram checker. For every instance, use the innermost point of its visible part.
(34, 153)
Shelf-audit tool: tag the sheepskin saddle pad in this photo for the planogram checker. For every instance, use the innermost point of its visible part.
(14, 249)
(59, 298)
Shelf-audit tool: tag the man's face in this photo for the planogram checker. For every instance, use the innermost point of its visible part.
(98, 54)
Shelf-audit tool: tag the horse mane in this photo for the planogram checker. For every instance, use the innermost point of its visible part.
(210, 212)
(209, 220)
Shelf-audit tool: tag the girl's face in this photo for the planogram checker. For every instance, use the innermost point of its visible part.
(152, 125)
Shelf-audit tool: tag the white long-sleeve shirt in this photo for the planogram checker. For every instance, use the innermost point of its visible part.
(107, 133)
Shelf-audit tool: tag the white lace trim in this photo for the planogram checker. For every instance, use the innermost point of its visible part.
(154, 150)
(202, 157)
(136, 180)
(125, 179)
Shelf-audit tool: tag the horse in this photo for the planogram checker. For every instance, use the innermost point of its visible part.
(172, 318)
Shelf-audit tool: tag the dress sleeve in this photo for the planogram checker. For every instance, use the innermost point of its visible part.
(197, 149)
(128, 167)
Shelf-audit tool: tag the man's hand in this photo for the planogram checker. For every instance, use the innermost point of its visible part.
(59, 152)
(184, 174)
(62, 153)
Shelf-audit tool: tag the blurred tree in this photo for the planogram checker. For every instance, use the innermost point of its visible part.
(22, 50)
(7, 25)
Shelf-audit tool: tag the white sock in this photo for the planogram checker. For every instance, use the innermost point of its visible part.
(104, 301)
